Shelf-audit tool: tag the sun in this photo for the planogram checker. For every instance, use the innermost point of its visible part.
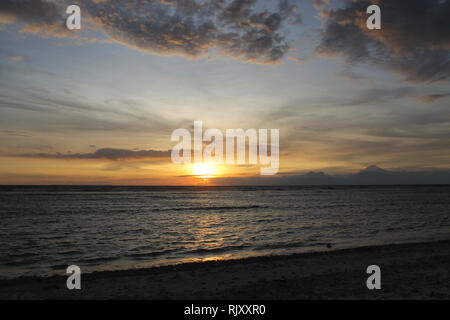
(204, 170)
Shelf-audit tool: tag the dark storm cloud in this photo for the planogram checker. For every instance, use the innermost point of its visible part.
(36, 11)
(105, 153)
(414, 39)
(237, 28)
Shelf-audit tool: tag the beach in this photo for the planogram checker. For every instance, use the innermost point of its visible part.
(408, 271)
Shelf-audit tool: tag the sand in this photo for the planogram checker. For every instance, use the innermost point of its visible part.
(408, 271)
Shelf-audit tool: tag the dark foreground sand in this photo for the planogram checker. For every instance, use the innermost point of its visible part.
(409, 271)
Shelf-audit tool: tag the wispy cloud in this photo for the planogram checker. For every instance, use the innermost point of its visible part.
(15, 133)
(352, 77)
(432, 97)
(15, 58)
(105, 153)
(297, 60)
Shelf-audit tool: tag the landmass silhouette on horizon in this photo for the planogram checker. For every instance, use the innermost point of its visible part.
(372, 175)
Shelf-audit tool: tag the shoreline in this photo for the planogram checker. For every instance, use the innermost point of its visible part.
(408, 271)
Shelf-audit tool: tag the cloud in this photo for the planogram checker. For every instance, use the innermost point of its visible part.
(431, 97)
(105, 153)
(413, 40)
(297, 60)
(39, 16)
(320, 4)
(32, 12)
(241, 29)
(352, 77)
(15, 133)
(15, 58)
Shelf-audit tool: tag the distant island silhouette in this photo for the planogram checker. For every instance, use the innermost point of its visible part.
(371, 175)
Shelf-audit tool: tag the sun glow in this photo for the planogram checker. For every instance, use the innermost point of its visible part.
(204, 170)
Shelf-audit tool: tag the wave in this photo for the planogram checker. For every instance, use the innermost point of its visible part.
(216, 250)
(99, 260)
(209, 208)
(149, 254)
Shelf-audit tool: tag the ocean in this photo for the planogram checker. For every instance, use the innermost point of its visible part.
(44, 229)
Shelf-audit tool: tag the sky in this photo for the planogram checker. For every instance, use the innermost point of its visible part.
(98, 105)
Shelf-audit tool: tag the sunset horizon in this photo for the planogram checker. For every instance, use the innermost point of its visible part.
(68, 119)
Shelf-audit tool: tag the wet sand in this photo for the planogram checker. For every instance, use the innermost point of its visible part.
(408, 271)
